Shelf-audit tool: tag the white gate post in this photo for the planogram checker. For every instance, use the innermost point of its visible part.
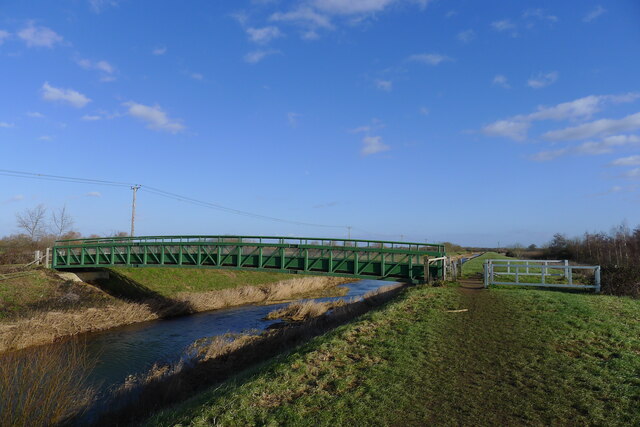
(486, 274)
(37, 258)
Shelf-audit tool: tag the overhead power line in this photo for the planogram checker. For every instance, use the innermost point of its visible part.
(162, 193)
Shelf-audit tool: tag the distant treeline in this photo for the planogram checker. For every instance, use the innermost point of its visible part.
(618, 252)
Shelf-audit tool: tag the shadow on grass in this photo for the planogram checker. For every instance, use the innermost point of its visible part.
(123, 287)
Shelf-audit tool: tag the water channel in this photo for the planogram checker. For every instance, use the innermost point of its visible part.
(134, 349)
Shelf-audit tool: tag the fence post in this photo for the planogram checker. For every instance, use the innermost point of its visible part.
(597, 279)
(47, 258)
(427, 276)
(566, 268)
(486, 274)
(37, 257)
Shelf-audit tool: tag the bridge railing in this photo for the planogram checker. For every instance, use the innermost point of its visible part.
(263, 240)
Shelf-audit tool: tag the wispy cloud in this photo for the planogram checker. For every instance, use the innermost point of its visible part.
(292, 118)
(543, 80)
(539, 14)
(13, 199)
(106, 69)
(36, 36)
(263, 35)
(326, 205)
(35, 114)
(626, 161)
(91, 117)
(373, 145)
(385, 85)
(4, 35)
(591, 148)
(429, 58)
(424, 111)
(594, 13)
(466, 36)
(596, 128)
(633, 173)
(97, 6)
(503, 25)
(196, 76)
(502, 81)
(154, 116)
(160, 50)
(93, 194)
(67, 96)
(258, 55)
(303, 16)
(516, 127)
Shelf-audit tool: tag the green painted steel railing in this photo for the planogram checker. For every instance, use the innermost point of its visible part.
(370, 259)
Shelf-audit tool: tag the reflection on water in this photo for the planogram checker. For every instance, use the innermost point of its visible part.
(134, 349)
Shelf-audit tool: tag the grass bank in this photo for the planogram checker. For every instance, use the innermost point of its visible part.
(515, 357)
(42, 307)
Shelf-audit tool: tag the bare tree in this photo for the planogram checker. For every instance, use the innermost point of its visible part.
(61, 222)
(32, 221)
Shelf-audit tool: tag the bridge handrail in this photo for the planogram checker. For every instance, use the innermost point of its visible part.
(282, 241)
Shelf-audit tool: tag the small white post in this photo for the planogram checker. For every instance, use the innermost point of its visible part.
(37, 258)
(47, 257)
(597, 279)
(566, 268)
(517, 273)
(486, 274)
(509, 267)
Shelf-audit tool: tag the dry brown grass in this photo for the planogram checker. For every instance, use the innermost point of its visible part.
(43, 327)
(46, 387)
(303, 310)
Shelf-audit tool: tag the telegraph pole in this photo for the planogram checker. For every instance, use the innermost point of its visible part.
(133, 209)
(349, 231)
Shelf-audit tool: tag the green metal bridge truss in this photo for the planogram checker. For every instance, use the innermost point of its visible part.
(364, 259)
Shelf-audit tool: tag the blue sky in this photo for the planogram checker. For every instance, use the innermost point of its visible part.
(440, 120)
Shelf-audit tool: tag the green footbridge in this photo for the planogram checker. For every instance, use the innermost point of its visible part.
(362, 259)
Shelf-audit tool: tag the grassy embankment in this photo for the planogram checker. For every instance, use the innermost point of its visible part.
(517, 356)
(41, 307)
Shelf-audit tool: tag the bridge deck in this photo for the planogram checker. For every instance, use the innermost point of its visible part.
(383, 260)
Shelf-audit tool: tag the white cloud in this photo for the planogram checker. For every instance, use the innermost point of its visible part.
(360, 129)
(45, 138)
(304, 16)
(466, 36)
(91, 118)
(539, 14)
(4, 35)
(500, 80)
(292, 118)
(6, 125)
(263, 35)
(429, 58)
(582, 108)
(352, 7)
(39, 36)
(16, 198)
(590, 148)
(593, 14)
(154, 116)
(633, 173)
(385, 85)
(258, 55)
(596, 128)
(196, 76)
(93, 194)
(35, 114)
(99, 5)
(503, 25)
(542, 80)
(103, 66)
(373, 145)
(68, 96)
(512, 129)
(161, 50)
(424, 111)
(626, 161)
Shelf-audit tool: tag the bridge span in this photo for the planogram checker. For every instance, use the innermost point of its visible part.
(363, 259)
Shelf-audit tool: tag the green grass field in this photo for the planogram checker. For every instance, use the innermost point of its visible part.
(170, 281)
(474, 266)
(516, 357)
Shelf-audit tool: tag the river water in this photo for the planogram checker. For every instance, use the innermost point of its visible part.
(134, 349)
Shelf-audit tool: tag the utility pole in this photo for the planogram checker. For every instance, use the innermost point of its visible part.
(349, 231)
(133, 209)
(402, 237)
